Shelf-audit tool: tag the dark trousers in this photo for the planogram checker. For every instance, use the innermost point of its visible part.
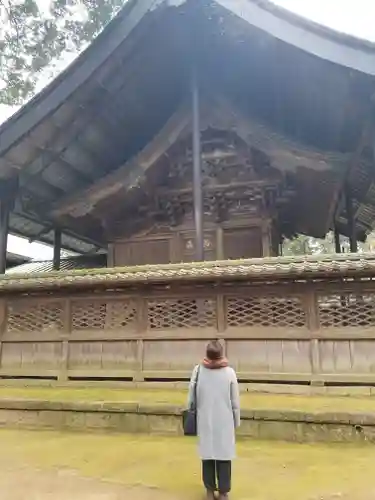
(217, 475)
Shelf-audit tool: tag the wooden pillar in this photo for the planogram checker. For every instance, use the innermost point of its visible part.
(4, 228)
(197, 167)
(351, 222)
(57, 250)
(337, 240)
(8, 193)
(219, 243)
(266, 240)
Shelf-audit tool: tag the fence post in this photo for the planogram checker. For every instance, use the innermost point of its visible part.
(313, 325)
(3, 322)
(67, 326)
(221, 320)
(141, 329)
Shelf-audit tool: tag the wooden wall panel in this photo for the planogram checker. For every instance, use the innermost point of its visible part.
(270, 356)
(188, 246)
(119, 355)
(243, 243)
(347, 356)
(106, 355)
(362, 356)
(238, 239)
(172, 355)
(134, 253)
(31, 354)
(11, 355)
(85, 355)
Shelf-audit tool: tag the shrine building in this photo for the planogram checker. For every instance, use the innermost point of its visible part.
(173, 157)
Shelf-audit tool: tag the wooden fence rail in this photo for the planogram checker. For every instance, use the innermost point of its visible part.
(291, 333)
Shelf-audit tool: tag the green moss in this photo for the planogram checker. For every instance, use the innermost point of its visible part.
(263, 471)
(178, 396)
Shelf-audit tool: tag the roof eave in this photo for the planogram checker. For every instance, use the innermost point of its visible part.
(56, 93)
(308, 36)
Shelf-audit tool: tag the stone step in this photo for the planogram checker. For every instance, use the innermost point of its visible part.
(165, 419)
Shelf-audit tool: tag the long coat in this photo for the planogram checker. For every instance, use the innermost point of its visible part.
(218, 411)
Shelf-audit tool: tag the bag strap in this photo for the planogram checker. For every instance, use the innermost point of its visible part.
(194, 405)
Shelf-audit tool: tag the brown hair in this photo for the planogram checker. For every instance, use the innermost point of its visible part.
(214, 350)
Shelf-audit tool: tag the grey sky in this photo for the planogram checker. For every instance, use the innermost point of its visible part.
(355, 17)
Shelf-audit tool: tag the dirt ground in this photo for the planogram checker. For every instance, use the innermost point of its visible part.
(44, 465)
(19, 481)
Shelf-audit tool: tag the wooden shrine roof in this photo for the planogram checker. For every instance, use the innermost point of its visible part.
(270, 270)
(309, 85)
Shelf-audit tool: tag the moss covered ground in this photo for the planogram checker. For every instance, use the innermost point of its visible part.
(178, 396)
(169, 469)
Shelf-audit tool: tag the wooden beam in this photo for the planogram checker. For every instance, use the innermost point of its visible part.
(64, 136)
(129, 174)
(256, 184)
(8, 192)
(51, 156)
(57, 250)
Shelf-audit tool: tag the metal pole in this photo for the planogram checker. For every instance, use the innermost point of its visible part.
(57, 250)
(4, 225)
(197, 169)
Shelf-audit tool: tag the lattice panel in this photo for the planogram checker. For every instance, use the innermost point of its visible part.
(88, 315)
(35, 317)
(184, 313)
(265, 312)
(347, 310)
(97, 315)
(121, 315)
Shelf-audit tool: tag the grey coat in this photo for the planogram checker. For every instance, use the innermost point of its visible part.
(218, 411)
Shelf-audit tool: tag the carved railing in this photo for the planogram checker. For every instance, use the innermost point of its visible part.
(291, 331)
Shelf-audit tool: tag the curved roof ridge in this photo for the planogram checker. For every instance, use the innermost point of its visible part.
(318, 28)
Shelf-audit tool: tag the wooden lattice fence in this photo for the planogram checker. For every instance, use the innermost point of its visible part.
(278, 332)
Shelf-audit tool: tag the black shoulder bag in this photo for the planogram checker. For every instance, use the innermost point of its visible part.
(189, 416)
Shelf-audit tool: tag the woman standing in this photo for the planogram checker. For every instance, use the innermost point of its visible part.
(218, 414)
